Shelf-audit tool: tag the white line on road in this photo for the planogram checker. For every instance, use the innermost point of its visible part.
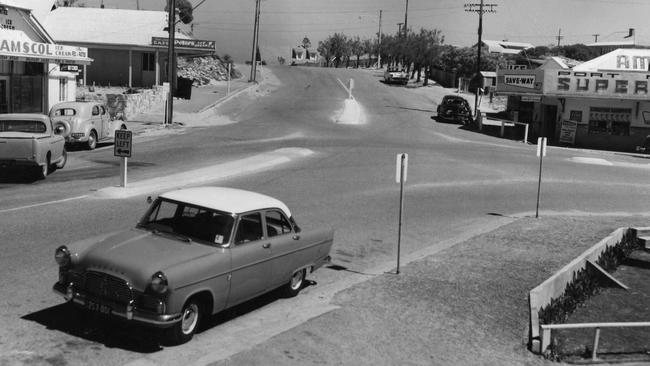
(43, 203)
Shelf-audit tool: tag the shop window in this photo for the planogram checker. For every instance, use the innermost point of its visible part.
(609, 121)
(148, 61)
(63, 89)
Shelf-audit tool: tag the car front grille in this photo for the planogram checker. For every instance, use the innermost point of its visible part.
(107, 287)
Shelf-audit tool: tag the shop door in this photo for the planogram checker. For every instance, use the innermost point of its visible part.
(550, 117)
(4, 94)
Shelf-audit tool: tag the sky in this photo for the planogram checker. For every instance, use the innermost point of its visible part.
(284, 23)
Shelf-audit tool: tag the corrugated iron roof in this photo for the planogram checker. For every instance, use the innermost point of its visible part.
(107, 26)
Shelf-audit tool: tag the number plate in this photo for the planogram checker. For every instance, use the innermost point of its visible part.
(100, 308)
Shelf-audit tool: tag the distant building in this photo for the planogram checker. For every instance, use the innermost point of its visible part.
(506, 47)
(129, 46)
(602, 48)
(302, 56)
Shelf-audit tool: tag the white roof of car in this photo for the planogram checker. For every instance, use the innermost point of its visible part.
(224, 199)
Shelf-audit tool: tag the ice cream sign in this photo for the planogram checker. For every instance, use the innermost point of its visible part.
(522, 81)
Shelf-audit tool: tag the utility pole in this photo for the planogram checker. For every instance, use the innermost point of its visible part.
(595, 37)
(406, 16)
(379, 43)
(255, 37)
(559, 36)
(171, 26)
(481, 10)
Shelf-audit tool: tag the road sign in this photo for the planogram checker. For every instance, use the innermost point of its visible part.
(541, 146)
(401, 167)
(123, 143)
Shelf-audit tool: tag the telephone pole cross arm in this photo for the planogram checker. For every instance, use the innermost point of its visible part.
(480, 9)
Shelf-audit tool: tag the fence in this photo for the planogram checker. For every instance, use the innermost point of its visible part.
(546, 331)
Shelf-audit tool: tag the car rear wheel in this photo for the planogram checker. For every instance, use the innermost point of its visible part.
(292, 288)
(92, 140)
(184, 330)
(44, 169)
(64, 159)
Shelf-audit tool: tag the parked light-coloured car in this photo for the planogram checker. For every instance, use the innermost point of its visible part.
(195, 252)
(30, 141)
(394, 75)
(85, 122)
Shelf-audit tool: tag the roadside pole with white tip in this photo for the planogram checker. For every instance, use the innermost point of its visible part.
(350, 89)
(401, 169)
(541, 152)
(122, 149)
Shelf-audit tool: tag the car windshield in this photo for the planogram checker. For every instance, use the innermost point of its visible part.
(188, 222)
(22, 126)
(454, 101)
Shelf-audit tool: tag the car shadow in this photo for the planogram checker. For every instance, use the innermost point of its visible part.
(118, 333)
(19, 176)
(96, 328)
(249, 306)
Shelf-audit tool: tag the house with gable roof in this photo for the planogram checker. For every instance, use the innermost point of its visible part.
(129, 47)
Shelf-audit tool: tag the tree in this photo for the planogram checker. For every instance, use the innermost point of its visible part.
(335, 46)
(184, 10)
(356, 48)
(306, 43)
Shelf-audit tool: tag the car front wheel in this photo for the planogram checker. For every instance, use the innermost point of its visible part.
(184, 330)
(92, 140)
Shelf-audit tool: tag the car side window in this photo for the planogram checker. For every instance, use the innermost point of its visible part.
(95, 110)
(276, 223)
(103, 110)
(249, 228)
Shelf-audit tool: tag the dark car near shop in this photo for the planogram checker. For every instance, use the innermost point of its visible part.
(454, 108)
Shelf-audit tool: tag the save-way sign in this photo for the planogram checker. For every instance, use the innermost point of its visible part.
(123, 143)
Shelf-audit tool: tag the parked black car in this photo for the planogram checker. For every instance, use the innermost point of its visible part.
(455, 108)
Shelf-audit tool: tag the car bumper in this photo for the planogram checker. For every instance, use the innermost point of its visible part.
(129, 312)
(77, 138)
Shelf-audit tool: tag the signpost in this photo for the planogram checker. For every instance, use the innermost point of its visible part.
(350, 88)
(123, 148)
(541, 152)
(401, 170)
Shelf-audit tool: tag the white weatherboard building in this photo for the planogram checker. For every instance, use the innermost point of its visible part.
(35, 72)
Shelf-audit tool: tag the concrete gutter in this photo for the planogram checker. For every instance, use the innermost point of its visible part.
(231, 169)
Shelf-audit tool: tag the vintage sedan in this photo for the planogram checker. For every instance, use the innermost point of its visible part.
(455, 108)
(196, 252)
(29, 140)
(85, 123)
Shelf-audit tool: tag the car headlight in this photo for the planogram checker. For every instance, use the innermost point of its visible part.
(159, 282)
(62, 256)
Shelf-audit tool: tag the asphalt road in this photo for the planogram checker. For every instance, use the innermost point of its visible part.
(459, 183)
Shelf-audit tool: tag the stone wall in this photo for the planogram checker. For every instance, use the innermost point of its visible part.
(125, 105)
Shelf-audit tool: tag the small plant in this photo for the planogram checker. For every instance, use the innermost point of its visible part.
(587, 282)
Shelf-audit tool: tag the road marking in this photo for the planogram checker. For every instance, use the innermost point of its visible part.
(594, 161)
(43, 203)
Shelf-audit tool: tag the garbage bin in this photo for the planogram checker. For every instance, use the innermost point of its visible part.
(184, 88)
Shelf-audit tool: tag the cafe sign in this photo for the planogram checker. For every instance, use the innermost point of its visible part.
(184, 43)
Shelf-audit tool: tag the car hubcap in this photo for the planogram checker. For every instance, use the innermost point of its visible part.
(190, 318)
(296, 280)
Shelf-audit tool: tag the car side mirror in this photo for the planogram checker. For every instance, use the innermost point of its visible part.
(149, 200)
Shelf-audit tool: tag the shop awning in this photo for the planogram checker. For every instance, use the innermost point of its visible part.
(16, 48)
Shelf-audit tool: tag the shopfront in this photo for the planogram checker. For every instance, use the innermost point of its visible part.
(35, 73)
(603, 103)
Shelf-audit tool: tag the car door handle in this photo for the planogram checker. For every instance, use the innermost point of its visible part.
(266, 246)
